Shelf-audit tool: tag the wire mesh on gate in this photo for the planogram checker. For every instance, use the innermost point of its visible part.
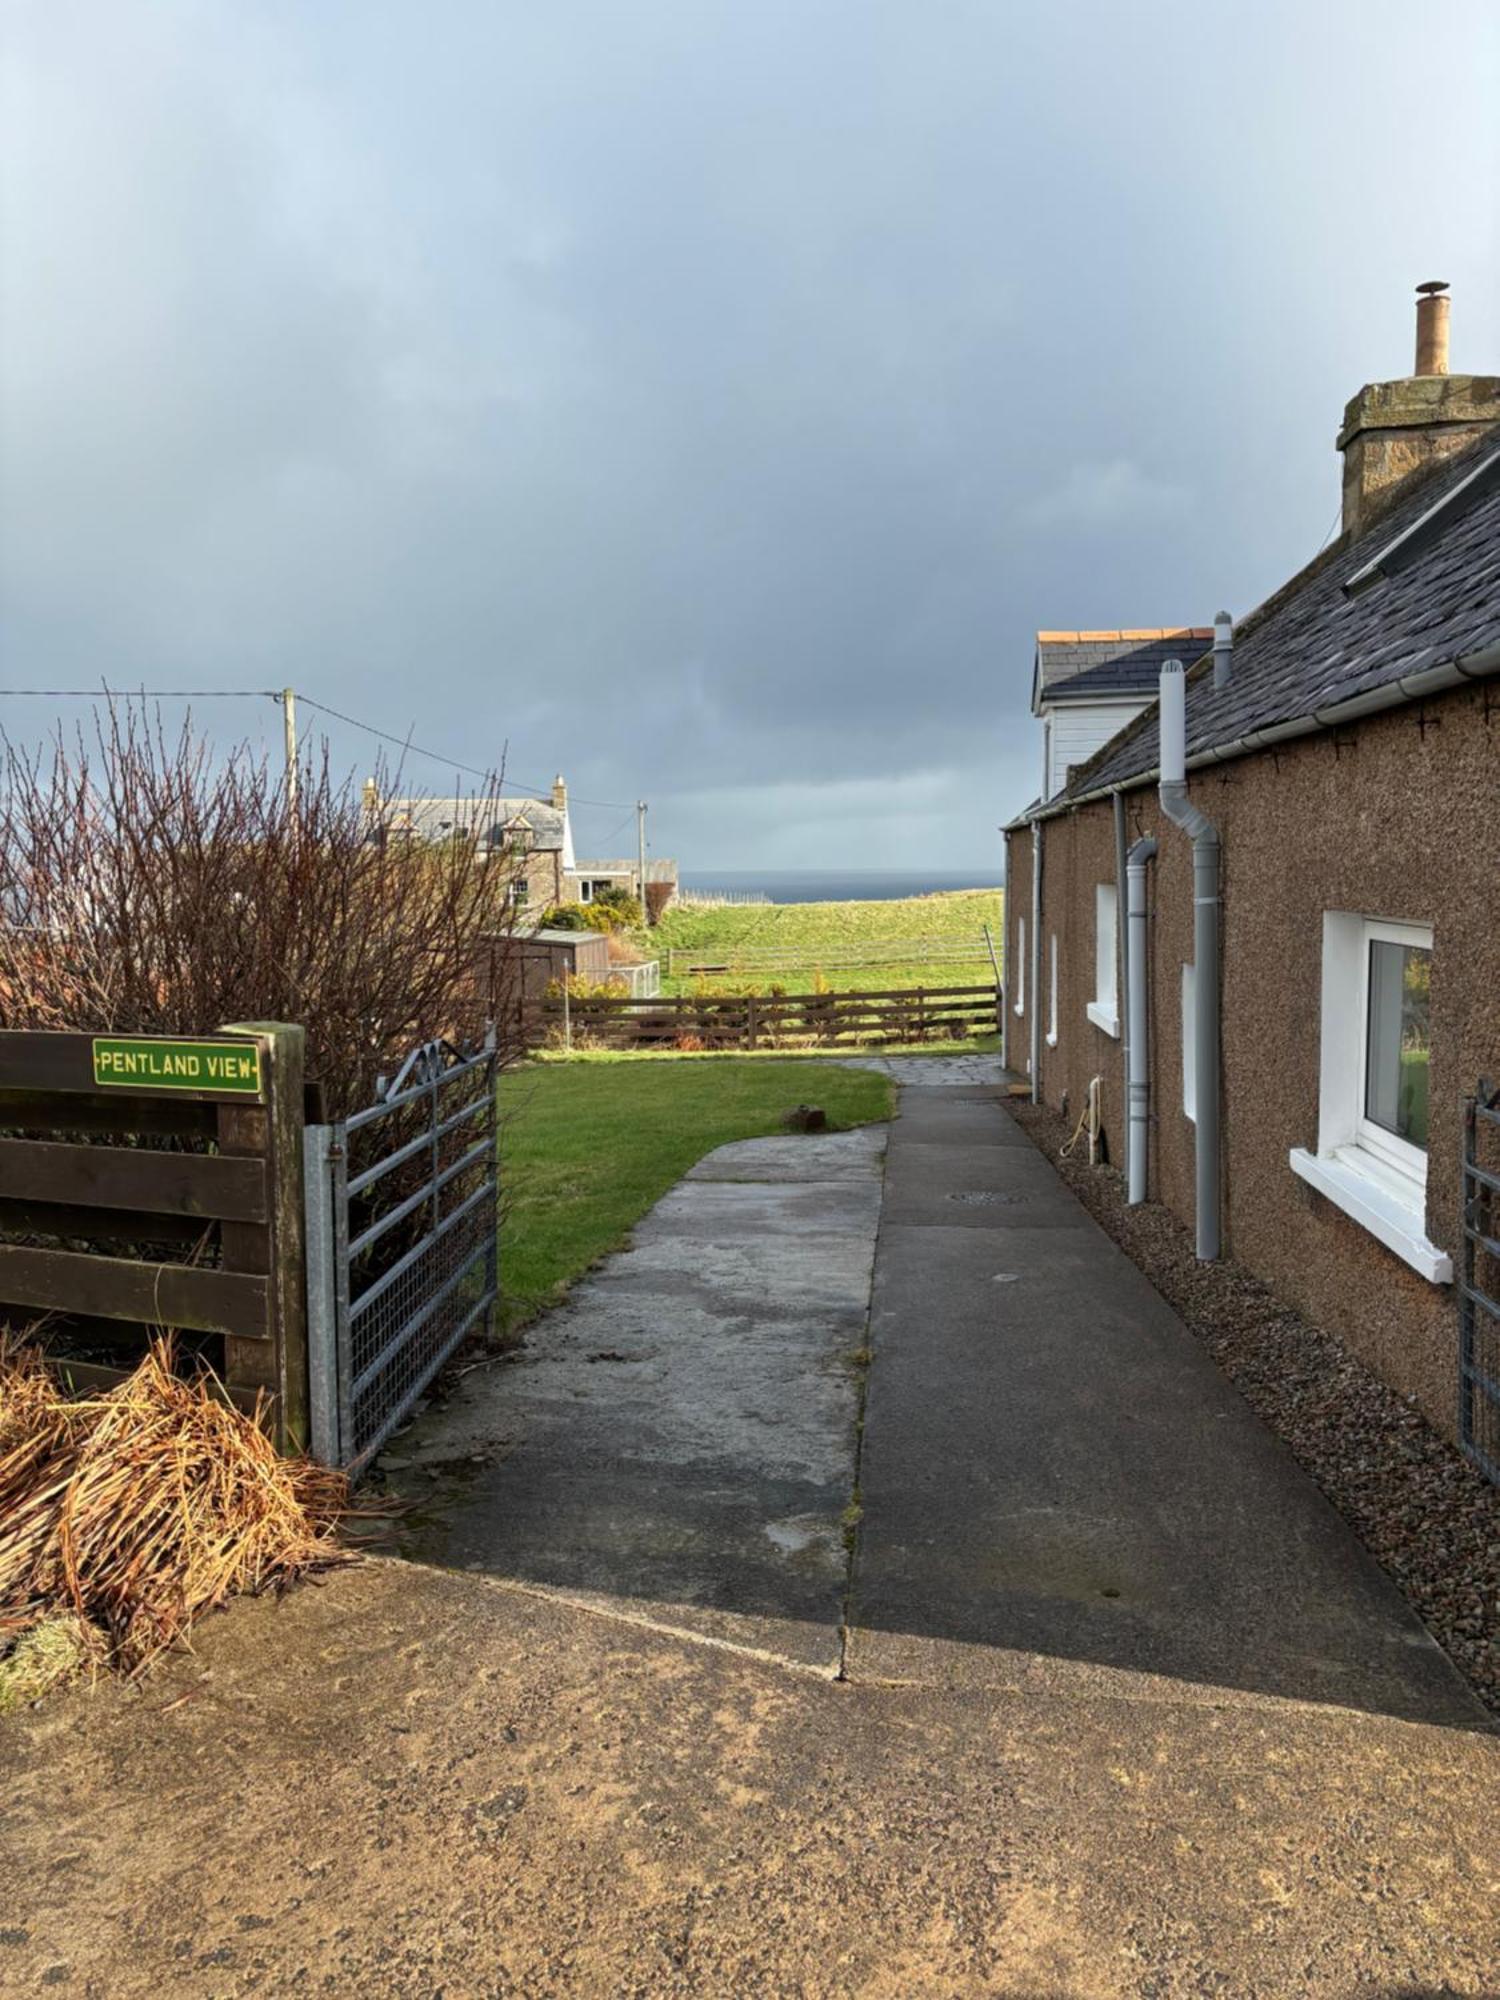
(1479, 1284)
(403, 1205)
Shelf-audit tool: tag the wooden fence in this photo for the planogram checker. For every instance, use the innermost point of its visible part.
(150, 1182)
(792, 1020)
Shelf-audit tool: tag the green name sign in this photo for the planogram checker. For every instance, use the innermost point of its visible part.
(122, 1063)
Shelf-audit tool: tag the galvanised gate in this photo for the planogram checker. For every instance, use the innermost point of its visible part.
(402, 1221)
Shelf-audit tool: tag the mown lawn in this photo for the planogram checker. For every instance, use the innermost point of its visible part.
(811, 928)
(588, 1146)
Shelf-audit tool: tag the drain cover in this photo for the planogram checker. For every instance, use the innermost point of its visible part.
(987, 1198)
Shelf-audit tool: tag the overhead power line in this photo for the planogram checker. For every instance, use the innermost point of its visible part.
(540, 792)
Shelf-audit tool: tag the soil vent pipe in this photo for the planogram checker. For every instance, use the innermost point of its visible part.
(1036, 961)
(1179, 808)
(1223, 650)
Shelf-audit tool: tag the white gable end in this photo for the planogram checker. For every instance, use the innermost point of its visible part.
(1074, 730)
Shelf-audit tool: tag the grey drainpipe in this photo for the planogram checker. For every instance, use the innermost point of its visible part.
(1179, 808)
(1036, 961)
(1137, 1016)
(1122, 934)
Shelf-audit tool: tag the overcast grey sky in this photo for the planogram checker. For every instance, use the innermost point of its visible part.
(709, 400)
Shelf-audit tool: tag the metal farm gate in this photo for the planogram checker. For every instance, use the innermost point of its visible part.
(1479, 1284)
(402, 1222)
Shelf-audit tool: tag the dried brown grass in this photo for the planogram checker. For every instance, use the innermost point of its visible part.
(141, 1508)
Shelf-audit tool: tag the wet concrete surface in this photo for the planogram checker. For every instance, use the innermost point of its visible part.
(678, 1441)
(1055, 1471)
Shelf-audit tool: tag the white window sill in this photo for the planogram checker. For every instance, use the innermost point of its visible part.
(1104, 1017)
(1377, 1201)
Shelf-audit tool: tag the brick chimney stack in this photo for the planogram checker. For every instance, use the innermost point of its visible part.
(1392, 430)
(559, 794)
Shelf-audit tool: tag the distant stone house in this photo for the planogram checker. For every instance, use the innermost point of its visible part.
(590, 879)
(1333, 852)
(535, 832)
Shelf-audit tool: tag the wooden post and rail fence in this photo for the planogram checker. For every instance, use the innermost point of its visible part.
(761, 1020)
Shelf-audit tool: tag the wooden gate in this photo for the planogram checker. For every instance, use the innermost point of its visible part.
(156, 1182)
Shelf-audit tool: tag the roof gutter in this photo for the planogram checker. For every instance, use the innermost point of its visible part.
(1478, 666)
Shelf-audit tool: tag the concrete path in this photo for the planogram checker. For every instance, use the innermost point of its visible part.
(1058, 1484)
(678, 1441)
(1054, 1484)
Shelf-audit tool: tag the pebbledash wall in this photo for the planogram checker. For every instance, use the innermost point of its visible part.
(1395, 819)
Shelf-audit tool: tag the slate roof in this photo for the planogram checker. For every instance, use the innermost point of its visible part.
(1079, 666)
(656, 871)
(1314, 644)
(487, 819)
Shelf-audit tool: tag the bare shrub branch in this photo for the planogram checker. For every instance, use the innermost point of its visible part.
(149, 885)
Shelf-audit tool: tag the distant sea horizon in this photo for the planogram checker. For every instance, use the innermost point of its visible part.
(836, 885)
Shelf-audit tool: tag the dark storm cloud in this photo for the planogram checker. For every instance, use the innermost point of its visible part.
(707, 400)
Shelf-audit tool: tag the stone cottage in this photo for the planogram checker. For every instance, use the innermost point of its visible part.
(536, 831)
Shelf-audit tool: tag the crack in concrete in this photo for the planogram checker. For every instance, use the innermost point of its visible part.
(846, 1610)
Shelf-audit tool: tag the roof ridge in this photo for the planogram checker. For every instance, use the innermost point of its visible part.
(1069, 638)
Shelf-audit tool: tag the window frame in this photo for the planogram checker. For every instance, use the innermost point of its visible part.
(1383, 1186)
(1388, 1148)
(1104, 1009)
(1019, 1002)
(1190, 1042)
(1052, 994)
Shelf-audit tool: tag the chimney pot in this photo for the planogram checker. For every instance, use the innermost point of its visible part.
(1433, 306)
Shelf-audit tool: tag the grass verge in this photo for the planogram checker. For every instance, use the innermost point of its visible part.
(972, 1045)
(591, 1143)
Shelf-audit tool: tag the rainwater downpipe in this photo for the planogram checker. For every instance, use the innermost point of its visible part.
(1137, 1016)
(1122, 932)
(1179, 808)
(1036, 961)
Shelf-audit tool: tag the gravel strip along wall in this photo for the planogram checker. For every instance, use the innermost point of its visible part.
(1415, 1502)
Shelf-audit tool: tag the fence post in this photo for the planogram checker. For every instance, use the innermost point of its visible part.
(322, 1296)
(275, 1131)
(751, 1023)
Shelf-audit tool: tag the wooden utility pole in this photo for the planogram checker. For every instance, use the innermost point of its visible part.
(640, 829)
(289, 731)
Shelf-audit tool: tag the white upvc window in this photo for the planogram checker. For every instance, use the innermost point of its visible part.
(1190, 1042)
(1052, 993)
(1019, 982)
(1104, 1009)
(1372, 1098)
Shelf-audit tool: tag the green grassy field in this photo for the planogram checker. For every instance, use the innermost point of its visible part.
(590, 1145)
(821, 934)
